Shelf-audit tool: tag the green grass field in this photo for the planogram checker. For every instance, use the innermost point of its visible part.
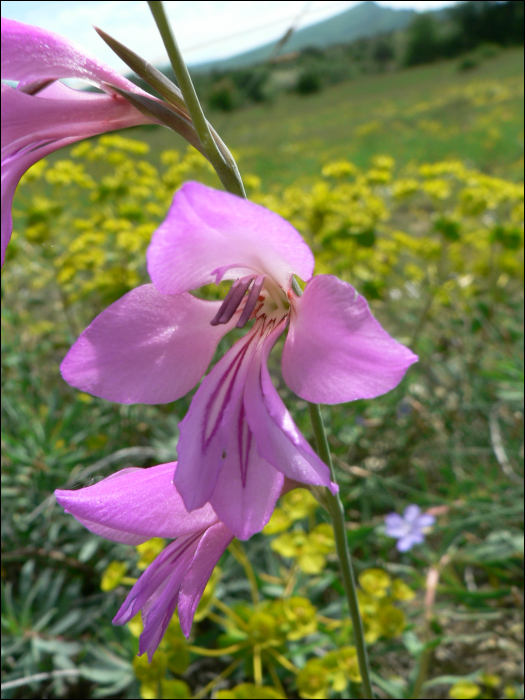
(423, 114)
(408, 186)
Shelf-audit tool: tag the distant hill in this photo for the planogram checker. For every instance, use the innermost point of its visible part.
(364, 20)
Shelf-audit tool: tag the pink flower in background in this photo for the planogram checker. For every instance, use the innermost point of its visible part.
(41, 115)
(238, 442)
(135, 505)
(408, 528)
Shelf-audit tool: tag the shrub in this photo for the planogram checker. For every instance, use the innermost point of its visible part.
(308, 83)
(223, 96)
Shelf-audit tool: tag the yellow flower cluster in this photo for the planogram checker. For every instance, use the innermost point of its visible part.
(373, 226)
(381, 618)
(442, 227)
(96, 229)
(330, 672)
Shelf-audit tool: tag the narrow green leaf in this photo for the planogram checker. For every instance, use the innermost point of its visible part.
(147, 72)
(162, 114)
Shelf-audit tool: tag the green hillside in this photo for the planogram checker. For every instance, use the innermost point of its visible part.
(364, 20)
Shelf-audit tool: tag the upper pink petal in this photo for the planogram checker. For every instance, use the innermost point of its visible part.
(279, 440)
(210, 235)
(139, 502)
(147, 347)
(35, 126)
(31, 53)
(336, 351)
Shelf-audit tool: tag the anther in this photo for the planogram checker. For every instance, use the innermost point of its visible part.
(251, 301)
(232, 300)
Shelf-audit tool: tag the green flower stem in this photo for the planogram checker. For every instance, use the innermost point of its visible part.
(335, 509)
(223, 162)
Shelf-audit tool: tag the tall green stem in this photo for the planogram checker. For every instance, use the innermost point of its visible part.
(225, 168)
(335, 509)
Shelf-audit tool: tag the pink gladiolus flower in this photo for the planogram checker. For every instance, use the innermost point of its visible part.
(41, 115)
(135, 505)
(237, 442)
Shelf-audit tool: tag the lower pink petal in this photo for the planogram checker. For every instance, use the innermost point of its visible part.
(279, 441)
(147, 347)
(209, 550)
(248, 487)
(156, 593)
(206, 429)
(336, 351)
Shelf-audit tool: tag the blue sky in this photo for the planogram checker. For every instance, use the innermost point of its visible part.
(205, 29)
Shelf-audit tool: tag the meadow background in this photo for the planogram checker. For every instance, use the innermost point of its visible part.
(408, 185)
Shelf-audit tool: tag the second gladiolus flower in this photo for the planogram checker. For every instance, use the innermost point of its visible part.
(238, 442)
(126, 508)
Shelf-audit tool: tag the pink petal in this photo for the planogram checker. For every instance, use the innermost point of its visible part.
(147, 347)
(112, 534)
(35, 126)
(142, 503)
(336, 351)
(279, 441)
(156, 592)
(205, 431)
(209, 550)
(247, 490)
(218, 458)
(210, 235)
(30, 54)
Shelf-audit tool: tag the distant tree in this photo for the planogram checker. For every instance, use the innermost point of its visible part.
(383, 52)
(487, 21)
(423, 43)
(361, 48)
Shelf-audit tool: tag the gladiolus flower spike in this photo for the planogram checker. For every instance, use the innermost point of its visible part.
(237, 442)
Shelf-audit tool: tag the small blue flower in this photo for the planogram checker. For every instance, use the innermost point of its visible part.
(408, 528)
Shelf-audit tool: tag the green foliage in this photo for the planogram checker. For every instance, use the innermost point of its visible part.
(308, 83)
(223, 96)
(423, 45)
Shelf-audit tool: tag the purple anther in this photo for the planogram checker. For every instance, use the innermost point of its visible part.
(232, 300)
(251, 301)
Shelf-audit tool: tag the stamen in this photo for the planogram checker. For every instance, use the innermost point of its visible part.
(251, 302)
(232, 300)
